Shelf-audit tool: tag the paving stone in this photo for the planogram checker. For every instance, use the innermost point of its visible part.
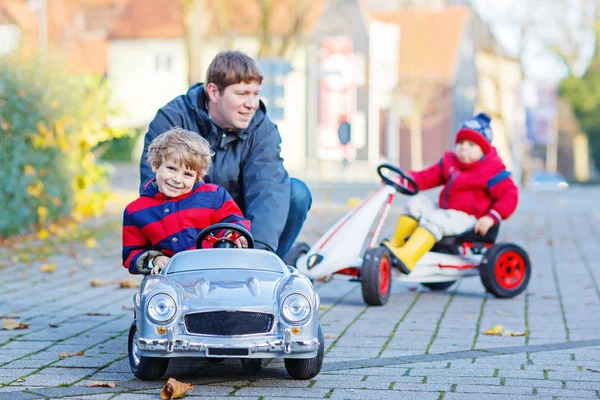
(282, 392)
(14, 395)
(382, 394)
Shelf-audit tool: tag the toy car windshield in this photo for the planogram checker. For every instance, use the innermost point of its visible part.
(211, 259)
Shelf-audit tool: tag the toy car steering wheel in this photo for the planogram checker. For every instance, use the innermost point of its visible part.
(224, 242)
(411, 189)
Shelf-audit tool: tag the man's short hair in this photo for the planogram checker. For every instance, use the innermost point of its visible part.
(184, 147)
(230, 67)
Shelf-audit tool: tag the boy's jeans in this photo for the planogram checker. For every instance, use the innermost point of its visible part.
(300, 202)
(436, 220)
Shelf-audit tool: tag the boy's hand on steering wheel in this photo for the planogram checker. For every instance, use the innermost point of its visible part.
(483, 225)
(159, 263)
(241, 242)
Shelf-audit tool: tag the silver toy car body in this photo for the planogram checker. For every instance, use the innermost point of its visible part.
(226, 303)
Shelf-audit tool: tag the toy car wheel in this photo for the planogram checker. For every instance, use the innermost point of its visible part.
(505, 270)
(251, 366)
(376, 276)
(145, 368)
(307, 368)
(297, 250)
(438, 286)
(214, 360)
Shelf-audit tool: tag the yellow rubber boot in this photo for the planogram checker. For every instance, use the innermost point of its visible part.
(420, 242)
(405, 227)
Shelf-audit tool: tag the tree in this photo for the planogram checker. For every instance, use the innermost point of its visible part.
(583, 93)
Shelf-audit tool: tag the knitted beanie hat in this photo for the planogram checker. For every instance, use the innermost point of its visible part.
(477, 130)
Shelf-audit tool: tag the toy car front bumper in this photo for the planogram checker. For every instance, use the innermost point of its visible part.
(231, 348)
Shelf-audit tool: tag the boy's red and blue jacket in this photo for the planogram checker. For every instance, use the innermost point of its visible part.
(480, 188)
(170, 225)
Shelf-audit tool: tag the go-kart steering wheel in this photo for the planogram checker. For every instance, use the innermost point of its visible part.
(224, 242)
(411, 189)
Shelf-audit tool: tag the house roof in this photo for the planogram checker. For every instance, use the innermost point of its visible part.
(430, 40)
(149, 19)
(226, 18)
(19, 14)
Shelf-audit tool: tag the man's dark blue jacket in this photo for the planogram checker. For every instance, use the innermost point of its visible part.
(246, 163)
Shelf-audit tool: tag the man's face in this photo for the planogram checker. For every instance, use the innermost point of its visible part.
(235, 108)
(173, 179)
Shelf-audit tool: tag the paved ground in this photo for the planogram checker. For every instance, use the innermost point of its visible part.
(421, 345)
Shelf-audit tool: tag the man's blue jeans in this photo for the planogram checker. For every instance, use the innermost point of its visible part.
(300, 202)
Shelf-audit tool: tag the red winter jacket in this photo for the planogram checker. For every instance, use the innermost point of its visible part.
(157, 223)
(480, 188)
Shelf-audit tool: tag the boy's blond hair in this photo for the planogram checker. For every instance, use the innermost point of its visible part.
(231, 67)
(187, 148)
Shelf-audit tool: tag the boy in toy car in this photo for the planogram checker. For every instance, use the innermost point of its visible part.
(175, 206)
(478, 193)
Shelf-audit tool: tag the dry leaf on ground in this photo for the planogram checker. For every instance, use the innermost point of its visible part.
(326, 336)
(174, 389)
(11, 316)
(512, 333)
(97, 314)
(128, 308)
(500, 331)
(66, 354)
(53, 325)
(496, 330)
(99, 282)
(102, 384)
(129, 284)
(21, 380)
(11, 324)
(47, 267)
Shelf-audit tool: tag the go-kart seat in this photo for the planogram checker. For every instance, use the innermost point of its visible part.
(451, 242)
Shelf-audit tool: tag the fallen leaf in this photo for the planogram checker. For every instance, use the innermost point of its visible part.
(412, 289)
(499, 312)
(494, 331)
(11, 324)
(86, 261)
(48, 267)
(128, 308)
(322, 308)
(174, 389)
(129, 284)
(511, 333)
(550, 297)
(102, 384)
(21, 380)
(326, 336)
(471, 317)
(98, 283)
(91, 243)
(98, 314)
(9, 316)
(53, 325)
(72, 271)
(66, 354)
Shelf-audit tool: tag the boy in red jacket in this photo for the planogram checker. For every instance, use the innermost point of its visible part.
(478, 193)
(176, 205)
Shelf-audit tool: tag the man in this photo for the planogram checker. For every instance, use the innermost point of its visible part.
(227, 112)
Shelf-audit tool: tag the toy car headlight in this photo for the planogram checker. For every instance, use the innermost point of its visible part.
(161, 307)
(295, 308)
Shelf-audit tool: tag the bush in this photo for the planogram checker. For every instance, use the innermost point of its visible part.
(50, 120)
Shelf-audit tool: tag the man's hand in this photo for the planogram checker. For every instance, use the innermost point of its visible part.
(159, 263)
(483, 224)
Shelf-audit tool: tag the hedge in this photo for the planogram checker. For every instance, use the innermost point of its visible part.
(50, 121)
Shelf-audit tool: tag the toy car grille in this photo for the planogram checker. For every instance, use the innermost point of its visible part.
(228, 323)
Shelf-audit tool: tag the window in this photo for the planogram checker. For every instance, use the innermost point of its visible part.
(9, 38)
(163, 62)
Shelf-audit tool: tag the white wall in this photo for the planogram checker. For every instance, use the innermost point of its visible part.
(145, 75)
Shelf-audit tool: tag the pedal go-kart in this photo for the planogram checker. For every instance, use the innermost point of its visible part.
(225, 302)
(351, 248)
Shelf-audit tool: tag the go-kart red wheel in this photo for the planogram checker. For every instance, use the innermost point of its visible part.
(505, 270)
(376, 276)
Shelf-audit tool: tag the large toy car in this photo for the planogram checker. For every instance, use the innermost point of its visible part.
(225, 302)
(351, 247)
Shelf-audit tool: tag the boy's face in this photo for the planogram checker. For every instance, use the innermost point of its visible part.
(173, 179)
(468, 152)
(235, 108)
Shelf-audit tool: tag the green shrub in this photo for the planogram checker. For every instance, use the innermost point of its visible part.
(50, 121)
